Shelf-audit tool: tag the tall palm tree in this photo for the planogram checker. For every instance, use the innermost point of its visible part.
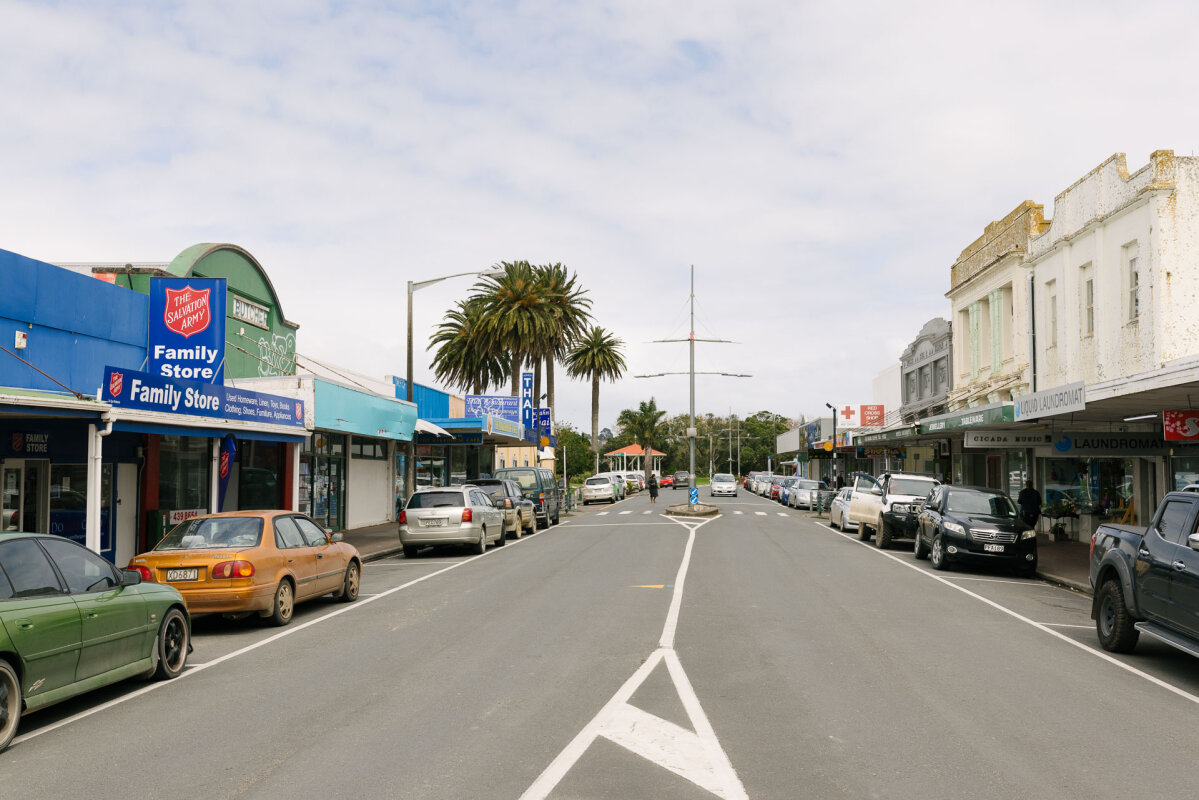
(570, 310)
(646, 427)
(466, 357)
(515, 313)
(596, 355)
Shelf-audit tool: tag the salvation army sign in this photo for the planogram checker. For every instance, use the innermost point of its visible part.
(187, 328)
(146, 392)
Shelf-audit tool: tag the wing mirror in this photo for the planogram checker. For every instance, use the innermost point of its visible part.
(130, 577)
(1193, 541)
(878, 490)
(337, 537)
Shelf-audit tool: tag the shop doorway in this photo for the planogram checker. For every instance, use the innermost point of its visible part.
(994, 470)
(25, 504)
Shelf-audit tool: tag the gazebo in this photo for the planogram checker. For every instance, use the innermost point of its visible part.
(636, 453)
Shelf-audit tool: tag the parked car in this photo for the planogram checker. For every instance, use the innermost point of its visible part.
(785, 488)
(519, 516)
(537, 484)
(889, 507)
(776, 484)
(1145, 579)
(838, 513)
(722, 484)
(804, 494)
(682, 480)
(260, 562)
(665, 480)
(47, 585)
(762, 485)
(968, 523)
(598, 489)
(450, 515)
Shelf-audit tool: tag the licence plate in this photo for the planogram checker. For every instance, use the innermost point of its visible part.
(992, 548)
(437, 522)
(183, 574)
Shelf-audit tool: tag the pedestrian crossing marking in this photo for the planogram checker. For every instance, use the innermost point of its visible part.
(602, 514)
(760, 513)
(782, 513)
(738, 511)
(626, 512)
(647, 512)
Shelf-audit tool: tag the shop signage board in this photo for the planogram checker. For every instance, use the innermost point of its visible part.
(1103, 443)
(1059, 400)
(1006, 439)
(507, 427)
(1181, 426)
(480, 405)
(251, 312)
(871, 415)
(459, 438)
(886, 436)
(526, 399)
(187, 329)
(184, 514)
(146, 392)
(968, 419)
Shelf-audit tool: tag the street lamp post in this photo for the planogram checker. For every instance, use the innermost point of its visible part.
(410, 447)
(833, 477)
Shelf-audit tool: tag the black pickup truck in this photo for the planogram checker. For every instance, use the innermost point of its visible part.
(1147, 580)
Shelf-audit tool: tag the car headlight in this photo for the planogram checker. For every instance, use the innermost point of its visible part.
(954, 527)
(900, 508)
(1031, 533)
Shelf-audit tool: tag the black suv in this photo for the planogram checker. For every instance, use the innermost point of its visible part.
(538, 485)
(965, 523)
(682, 480)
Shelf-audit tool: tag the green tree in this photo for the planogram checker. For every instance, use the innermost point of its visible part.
(515, 313)
(466, 357)
(570, 315)
(645, 426)
(597, 356)
(578, 460)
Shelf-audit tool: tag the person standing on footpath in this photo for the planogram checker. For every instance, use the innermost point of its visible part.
(653, 488)
(1029, 501)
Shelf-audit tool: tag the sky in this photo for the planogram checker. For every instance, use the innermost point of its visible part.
(820, 164)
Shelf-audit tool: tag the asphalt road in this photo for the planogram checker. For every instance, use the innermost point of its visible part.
(626, 655)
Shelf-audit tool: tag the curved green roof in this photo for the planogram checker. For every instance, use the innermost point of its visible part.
(242, 270)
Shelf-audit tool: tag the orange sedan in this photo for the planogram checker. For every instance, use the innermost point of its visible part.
(252, 561)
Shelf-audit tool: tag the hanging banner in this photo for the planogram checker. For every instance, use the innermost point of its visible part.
(228, 451)
(187, 329)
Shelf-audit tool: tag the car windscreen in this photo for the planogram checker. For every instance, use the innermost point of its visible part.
(527, 478)
(990, 505)
(808, 484)
(911, 486)
(721, 477)
(212, 533)
(436, 500)
(598, 482)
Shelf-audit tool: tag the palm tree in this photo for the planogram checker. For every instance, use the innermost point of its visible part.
(515, 313)
(645, 426)
(596, 355)
(570, 316)
(466, 357)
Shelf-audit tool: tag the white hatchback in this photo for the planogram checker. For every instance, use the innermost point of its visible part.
(723, 484)
(599, 489)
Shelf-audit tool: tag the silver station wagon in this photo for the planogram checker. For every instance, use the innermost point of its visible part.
(450, 515)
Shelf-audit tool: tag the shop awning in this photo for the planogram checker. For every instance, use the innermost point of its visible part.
(176, 425)
(424, 426)
(48, 404)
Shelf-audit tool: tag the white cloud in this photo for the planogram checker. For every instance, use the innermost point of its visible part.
(822, 165)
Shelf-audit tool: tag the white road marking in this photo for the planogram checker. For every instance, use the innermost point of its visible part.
(784, 514)
(694, 755)
(626, 512)
(738, 511)
(611, 525)
(602, 513)
(760, 513)
(989, 580)
(1038, 625)
(1067, 625)
(289, 631)
(648, 512)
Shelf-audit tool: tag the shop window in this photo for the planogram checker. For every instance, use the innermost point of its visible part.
(259, 475)
(184, 475)
(362, 447)
(1185, 472)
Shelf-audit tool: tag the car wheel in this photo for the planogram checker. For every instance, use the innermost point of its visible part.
(832, 523)
(349, 586)
(481, 547)
(520, 528)
(171, 645)
(532, 525)
(557, 517)
(1113, 623)
(918, 549)
(938, 557)
(503, 540)
(409, 551)
(885, 533)
(284, 605)
(10, 703)
(863, 532)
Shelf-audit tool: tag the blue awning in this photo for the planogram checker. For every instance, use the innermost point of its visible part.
(211, 433)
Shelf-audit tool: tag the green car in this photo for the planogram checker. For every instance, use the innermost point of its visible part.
(71, 622)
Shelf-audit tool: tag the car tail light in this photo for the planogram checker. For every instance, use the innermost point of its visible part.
(233, 569)
(403, 517)
(141, 570)
(468, 515)
(507, 504)
(1091, 552)
(541, 498)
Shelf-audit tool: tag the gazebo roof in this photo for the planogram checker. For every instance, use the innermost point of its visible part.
(634, 450)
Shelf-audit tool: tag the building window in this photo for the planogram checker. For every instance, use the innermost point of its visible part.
(1088, 305)
(1051, 290)
(1134, 289)
(363, 447)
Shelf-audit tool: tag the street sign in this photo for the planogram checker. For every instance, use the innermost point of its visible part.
(694, 496)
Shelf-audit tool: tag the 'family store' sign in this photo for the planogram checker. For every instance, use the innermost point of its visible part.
(146, 392)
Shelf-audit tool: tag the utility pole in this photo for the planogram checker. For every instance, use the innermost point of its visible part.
(691, 340)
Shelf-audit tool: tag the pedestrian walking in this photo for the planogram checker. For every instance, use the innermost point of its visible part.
(1029, 501)
(653, 488)
(840, 481)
